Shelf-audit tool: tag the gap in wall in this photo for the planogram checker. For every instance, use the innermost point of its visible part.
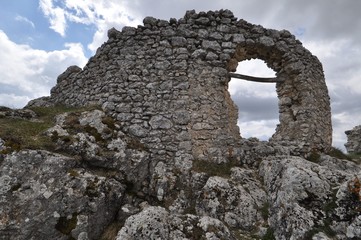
(257, 103)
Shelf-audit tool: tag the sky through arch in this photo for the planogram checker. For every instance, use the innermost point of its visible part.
(255, 118)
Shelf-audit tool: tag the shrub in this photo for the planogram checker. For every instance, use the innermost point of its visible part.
(314, 157)
(354, 187)
(337, 153)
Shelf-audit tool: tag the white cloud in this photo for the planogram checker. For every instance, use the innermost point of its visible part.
(103, 14)
(262, 130)
(27, 73)
(255, 68)
(344, 121)
(56, 16)
(12, 100)
(25, 20)
(257, 102)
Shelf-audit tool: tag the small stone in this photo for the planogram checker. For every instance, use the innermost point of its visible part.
(150, 20)
(212, 45)
(202, 21)
(129, 31)
(56, 214)
(137, 131)
(160, 122)
(238, 38)
(266, 41)
(199, 53)
(112, 33)
(178, 41)
(47, 194)
(211, 56)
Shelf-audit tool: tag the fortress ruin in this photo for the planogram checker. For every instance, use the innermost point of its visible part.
(167, 84)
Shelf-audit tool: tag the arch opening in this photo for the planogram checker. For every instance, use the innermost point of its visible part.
(258, 114)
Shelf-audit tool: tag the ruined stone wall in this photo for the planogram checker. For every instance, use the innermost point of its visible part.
(167, 83)
(353, 144)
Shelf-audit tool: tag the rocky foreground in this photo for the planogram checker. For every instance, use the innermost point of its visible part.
(93, 184)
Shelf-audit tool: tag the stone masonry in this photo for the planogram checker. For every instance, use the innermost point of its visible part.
(167, 83)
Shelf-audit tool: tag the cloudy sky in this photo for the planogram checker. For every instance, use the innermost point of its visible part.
(39, 39)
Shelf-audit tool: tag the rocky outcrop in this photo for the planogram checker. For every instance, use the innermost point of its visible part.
(16, 113)
(48, 196)
(40, 102)
(305, 196)
(98, 186)
(158, 223)
(353, 144)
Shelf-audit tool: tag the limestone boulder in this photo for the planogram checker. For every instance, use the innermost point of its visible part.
(302, 195)
(47, 196)
(157, 223)
(17, 113)
(236, 201)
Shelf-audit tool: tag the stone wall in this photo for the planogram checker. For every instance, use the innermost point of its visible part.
(167, 83)
(353, 144)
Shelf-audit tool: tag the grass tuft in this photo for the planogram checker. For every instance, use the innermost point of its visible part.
(28, 134)
(269, 234)
(337, 153)
(213, 169)
(314, 157)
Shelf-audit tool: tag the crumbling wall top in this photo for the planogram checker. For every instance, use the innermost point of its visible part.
(353, 144)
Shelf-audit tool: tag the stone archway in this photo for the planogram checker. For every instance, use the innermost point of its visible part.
(304, 107)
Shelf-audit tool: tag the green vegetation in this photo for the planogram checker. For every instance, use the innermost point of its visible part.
(355, 157)
(354, 187)
(135, 144)
(93, 132)
(73, 173)
(314, 157)
(91, 189)
(15, 187)
(111, 231)
(65, 225)
(264, 210)
(337, 153)
(269, 234)
(325, 227)
(28, 134)
(213, 169)
(110, 122)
